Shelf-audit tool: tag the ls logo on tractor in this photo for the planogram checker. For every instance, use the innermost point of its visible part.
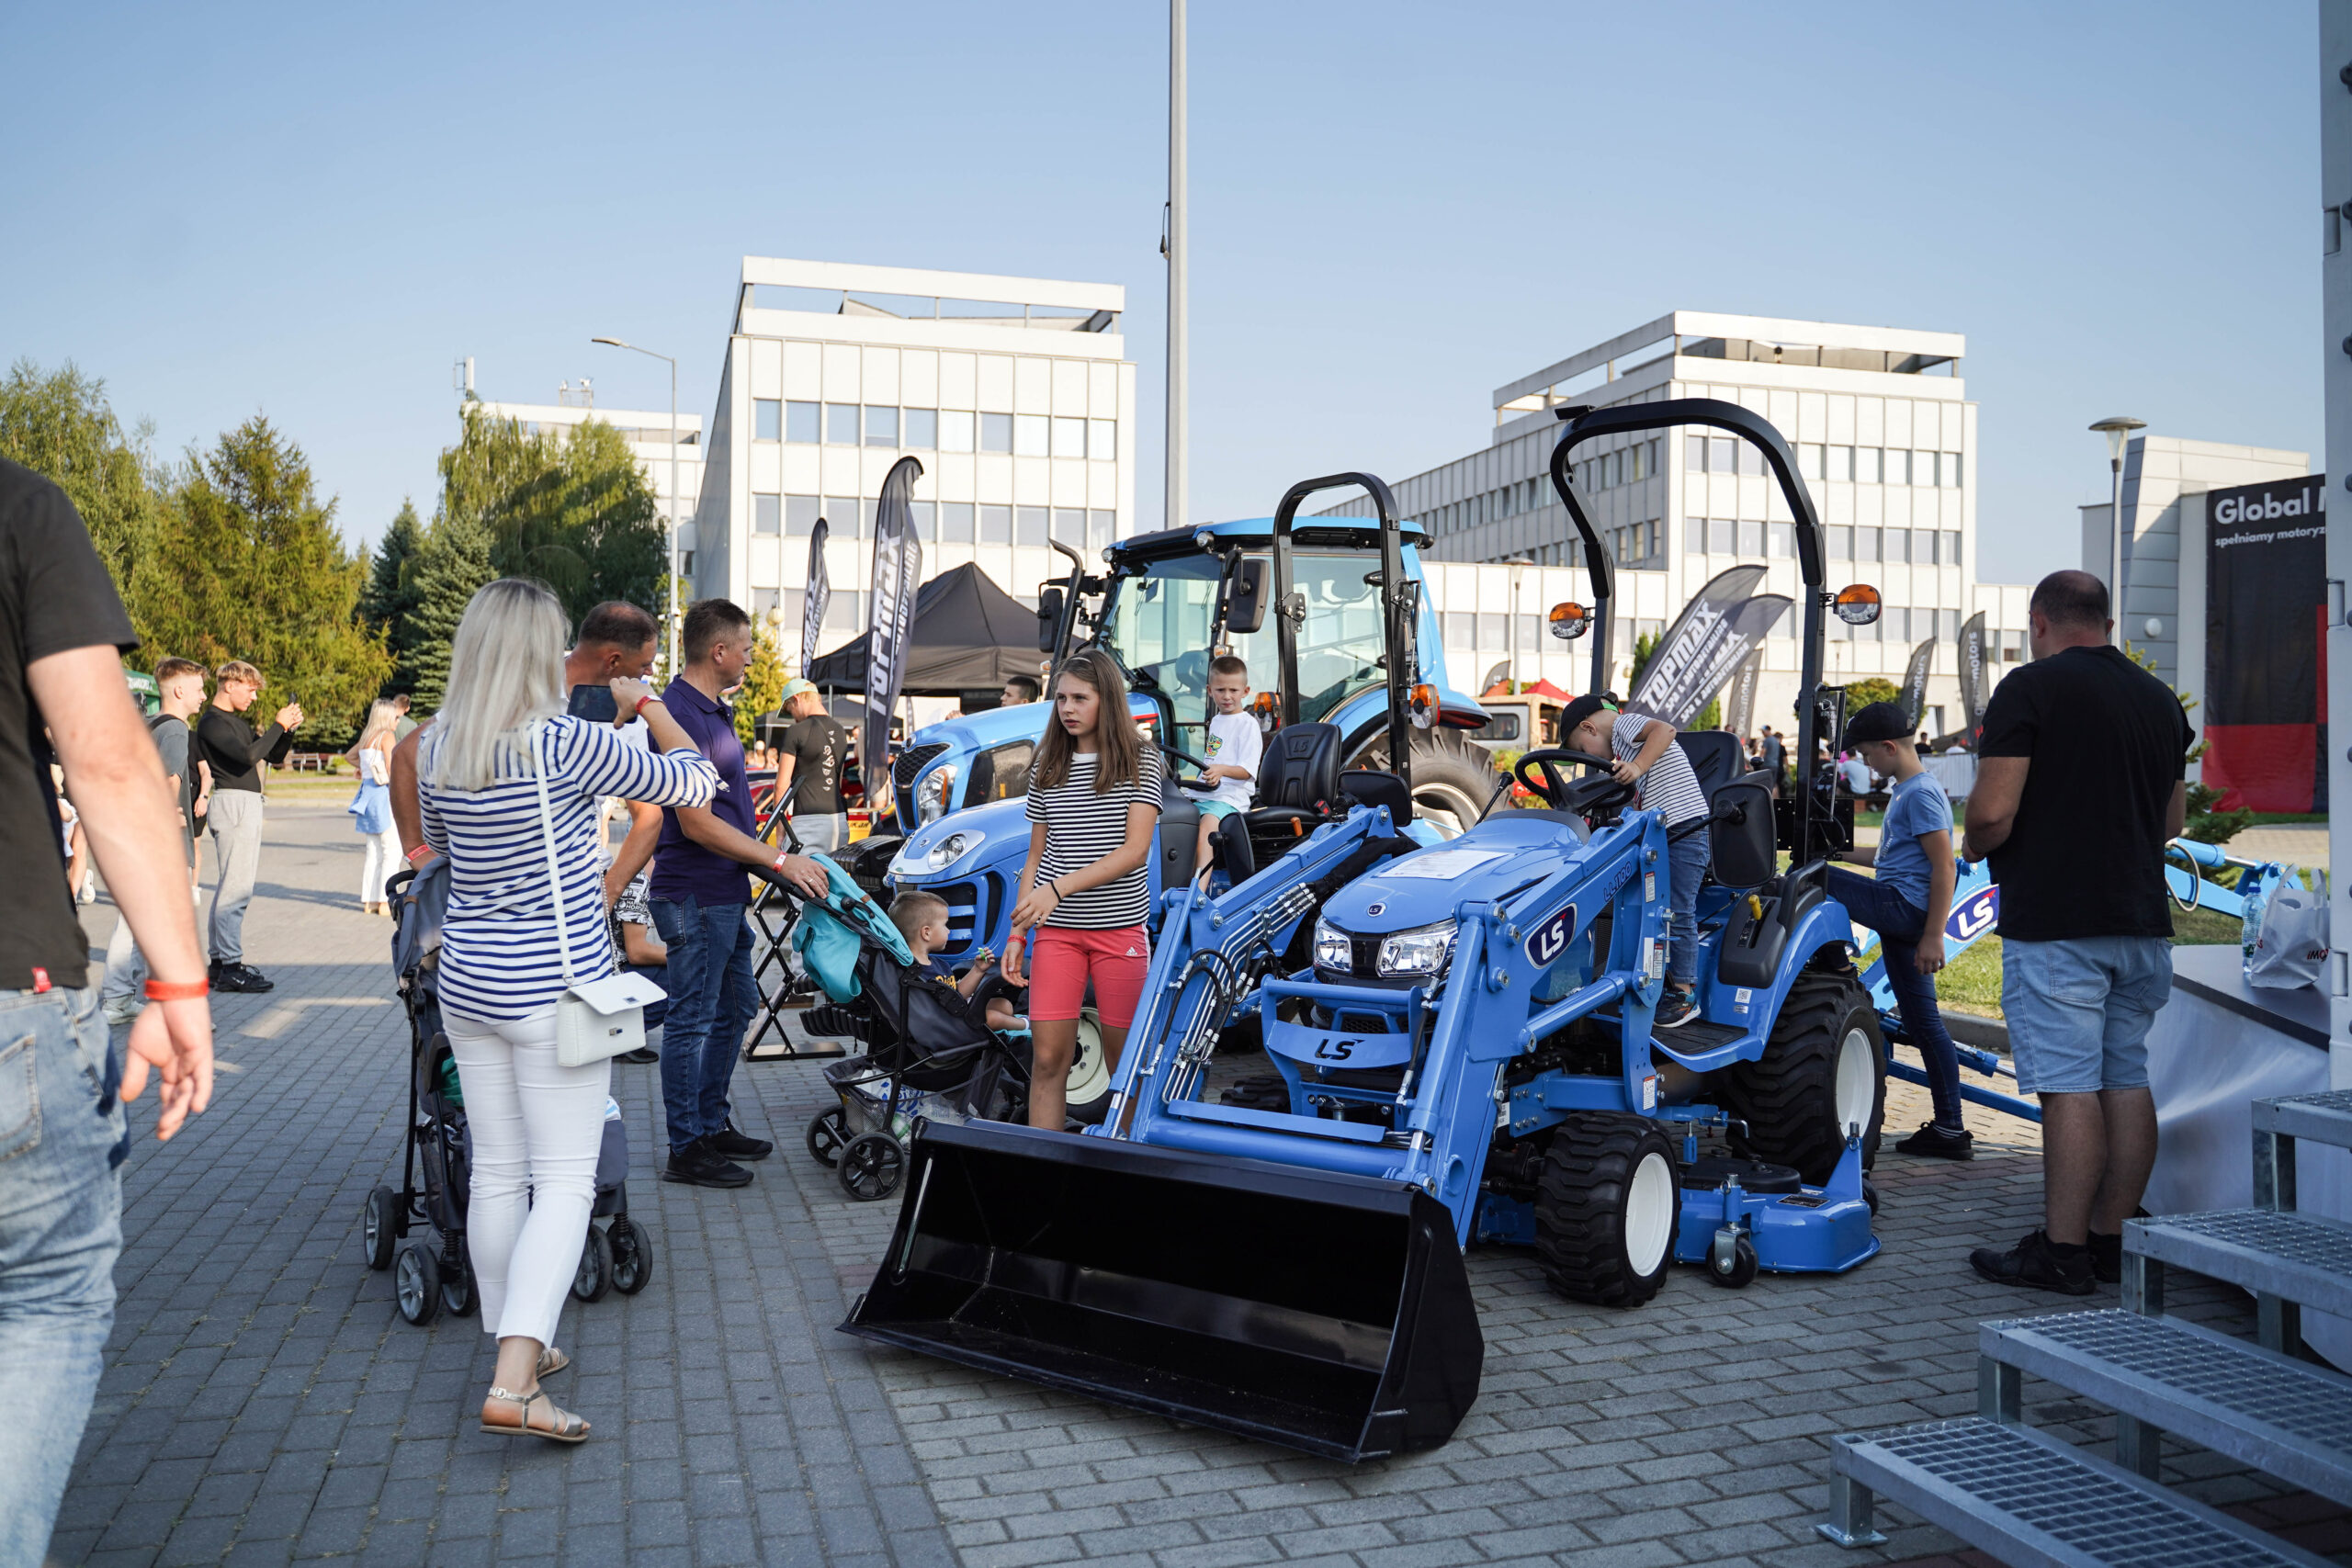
(1551, 938)
(1975, 915)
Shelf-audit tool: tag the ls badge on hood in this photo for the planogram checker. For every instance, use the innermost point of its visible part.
(1551, 939)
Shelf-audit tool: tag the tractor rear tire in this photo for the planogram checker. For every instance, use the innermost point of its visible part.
(1452, 778)
(1608, 1204)
(1824, 1067)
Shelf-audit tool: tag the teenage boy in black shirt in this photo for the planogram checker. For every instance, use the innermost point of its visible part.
(236, 753)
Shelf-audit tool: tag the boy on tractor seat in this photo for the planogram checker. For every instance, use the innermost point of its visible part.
(1643, 754)
(1907, 904)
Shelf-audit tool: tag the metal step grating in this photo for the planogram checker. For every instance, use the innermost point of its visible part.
(2322, 1118)
(2295, 1257)
(2178, 1362)
(2027, 1498)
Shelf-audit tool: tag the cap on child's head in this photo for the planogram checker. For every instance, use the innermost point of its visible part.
(1580, 709)
(1879, 721)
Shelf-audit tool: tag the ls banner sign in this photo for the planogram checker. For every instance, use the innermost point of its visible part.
(1717, 631)
(897, 570)
(1972, 693)
(2265, 594)
(1739, 708)
(1914, 682)
(820, 595)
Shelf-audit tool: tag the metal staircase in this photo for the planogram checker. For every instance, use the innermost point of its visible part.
(2033, 1500)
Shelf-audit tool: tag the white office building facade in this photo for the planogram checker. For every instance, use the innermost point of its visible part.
(1013, 393)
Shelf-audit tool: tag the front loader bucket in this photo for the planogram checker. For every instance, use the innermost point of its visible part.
(1323, 1312)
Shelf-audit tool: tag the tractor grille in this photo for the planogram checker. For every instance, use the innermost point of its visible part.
(914, 759)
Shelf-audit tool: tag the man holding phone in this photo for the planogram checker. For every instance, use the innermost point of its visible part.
(227, 742)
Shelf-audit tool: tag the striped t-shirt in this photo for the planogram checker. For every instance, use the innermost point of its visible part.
(500, 960)
(1669, 788)
(1081, 827)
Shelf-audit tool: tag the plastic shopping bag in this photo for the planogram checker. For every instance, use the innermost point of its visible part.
(2286, 941)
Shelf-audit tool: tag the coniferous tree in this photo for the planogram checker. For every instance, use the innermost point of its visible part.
(574, 514)
(390, 597)
(450, 567)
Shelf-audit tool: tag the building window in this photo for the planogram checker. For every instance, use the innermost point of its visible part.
(1951, 621)
(1102, 439)
(1866, 547)
(1784, 540)
(1751, 537)
(1102, 528)
(840, 517)
(996, 521)
(1069, 438)
(841, 424)
(800, 422)
(1751, 458)
(923, 429)
(1461, 629)
(1694, 536)
(1841, 543)
(922, 515)
(1952, 546)
(1950, 470)
(1029, 521)
(1721, 457)
(1898, 466)
(1492, 632)
(1866, 465)
(800, 514)
(1029, 434)
(956, 523)
(881, 426)
(1069, 527)
(767, 420)
(767, 514)
(1811, 463)
(1694, 454)
(1722, 537)
(1897, 623)
(996, 433)
(955, 431)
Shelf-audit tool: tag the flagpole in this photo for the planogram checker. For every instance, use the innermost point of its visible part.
(1177, 505)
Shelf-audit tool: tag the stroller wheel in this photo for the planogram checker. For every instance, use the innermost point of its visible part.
(632, 1247)
(828, 1131)
(459, 1295)
(595, 1275)
(379, 1227)
(416, 1283)
(872, 1166)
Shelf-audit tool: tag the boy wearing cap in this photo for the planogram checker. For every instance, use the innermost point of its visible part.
(1643, 754)
(1906, 903)
(814, 752)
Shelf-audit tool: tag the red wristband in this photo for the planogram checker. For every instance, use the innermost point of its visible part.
(640, 708)
(177, 990)
(419, 854)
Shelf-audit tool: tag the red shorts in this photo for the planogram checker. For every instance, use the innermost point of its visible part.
(1061, 962)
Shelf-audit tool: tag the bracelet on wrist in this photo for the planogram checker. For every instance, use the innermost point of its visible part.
(419, 854)
(177, 990)
(643, 702)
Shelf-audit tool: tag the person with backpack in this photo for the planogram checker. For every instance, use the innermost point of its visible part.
(180, 683)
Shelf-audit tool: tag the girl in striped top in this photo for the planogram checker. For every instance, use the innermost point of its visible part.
(536, 1124)
(1094, 801)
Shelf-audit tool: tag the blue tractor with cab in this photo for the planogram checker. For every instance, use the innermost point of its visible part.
(1463, 1043)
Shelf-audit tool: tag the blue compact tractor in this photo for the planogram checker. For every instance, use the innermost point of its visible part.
(1463, 1043)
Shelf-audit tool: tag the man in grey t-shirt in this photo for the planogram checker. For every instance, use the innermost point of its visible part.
(181, 684)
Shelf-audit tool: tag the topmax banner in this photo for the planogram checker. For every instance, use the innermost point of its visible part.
(2265, 594)
(1712, 636)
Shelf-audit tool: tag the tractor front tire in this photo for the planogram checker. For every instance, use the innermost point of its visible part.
(1452, 778)
(1824, 1069)
(1607, 1207)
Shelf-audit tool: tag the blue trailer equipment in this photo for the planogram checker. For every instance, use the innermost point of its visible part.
(1467, 1053)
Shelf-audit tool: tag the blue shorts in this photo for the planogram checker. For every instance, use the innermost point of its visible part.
(1213, 809)
(2079, 1011)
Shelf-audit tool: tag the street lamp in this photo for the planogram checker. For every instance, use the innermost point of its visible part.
(2116, 430)
(1519, 565)
(670, 523)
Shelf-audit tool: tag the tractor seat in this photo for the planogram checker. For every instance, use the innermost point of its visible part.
(1715, 756)
(1300, 772)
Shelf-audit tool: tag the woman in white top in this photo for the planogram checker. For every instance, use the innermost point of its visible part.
(536, 1124)
(371, 808)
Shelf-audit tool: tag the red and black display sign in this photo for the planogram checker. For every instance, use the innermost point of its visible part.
(2266, 593)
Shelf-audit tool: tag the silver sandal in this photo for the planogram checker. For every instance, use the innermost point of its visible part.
(568, 1427)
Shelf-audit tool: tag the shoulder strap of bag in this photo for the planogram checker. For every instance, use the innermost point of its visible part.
(547, 834)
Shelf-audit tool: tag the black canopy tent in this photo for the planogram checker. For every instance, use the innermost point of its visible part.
(969, 637)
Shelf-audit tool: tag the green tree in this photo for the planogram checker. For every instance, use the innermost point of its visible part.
(1871, 689)
(247, 564)
(390, 599)
(1644, 650)
(574, 514)
(60, 425)
(763, 680)
(449, 568)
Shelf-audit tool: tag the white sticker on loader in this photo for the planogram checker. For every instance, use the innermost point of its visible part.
(1653, 958)
(1649, 1092)
(1649, 888)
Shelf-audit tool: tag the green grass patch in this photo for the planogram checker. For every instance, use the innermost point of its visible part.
(2286, 818)
(1972, 983)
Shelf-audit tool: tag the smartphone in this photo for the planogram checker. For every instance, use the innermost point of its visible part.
(594, 704)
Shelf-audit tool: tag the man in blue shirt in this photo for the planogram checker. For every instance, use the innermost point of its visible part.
(1907, 904)
(700, 897)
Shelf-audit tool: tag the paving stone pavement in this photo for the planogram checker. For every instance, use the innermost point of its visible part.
(263, 1401)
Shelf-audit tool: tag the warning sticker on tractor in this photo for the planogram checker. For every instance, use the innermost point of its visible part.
(1443, 865)
(1649, 888)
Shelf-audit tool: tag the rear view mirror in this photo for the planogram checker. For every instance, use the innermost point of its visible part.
(1049, 619)
(1858, 605)
(1245, 606)
(1570, 621)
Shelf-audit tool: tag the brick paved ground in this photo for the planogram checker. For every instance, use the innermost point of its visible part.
(264, 1401)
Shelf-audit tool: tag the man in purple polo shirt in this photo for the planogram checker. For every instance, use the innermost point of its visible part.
(700, 891)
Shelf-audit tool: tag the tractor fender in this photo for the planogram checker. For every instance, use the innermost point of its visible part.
(1826, 925)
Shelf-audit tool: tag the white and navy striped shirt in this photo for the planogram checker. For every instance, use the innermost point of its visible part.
(1081, 827)
(1671, 787)
(500, 960)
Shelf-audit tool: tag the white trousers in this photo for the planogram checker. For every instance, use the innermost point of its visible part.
(537, 1128)
(383, 863)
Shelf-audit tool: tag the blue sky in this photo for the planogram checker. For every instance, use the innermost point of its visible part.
(311, 211)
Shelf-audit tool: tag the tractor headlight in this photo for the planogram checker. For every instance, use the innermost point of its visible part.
(1418, 952)
(953, 848)
(1332, 948)
(932, 793)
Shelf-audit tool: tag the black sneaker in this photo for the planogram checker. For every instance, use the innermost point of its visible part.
(735, 1144)
(241, 977)
(1675, 1008)
(1938, 1142)
(2107, 1253)
(698, 1165)
(2034, 1264)
(640, 1056)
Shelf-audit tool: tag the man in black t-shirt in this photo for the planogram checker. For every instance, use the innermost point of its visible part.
(2079, 784)
(63, 1132)
(814, 753)
(235, 753)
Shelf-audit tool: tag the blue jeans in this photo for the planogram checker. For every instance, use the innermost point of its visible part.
(63, 1139)
(2079, 1010)
(1900, 924)
(657, 1011)
(711, 999)
(1686, 864)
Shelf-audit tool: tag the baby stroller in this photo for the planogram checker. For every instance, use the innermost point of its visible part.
(437, 1150)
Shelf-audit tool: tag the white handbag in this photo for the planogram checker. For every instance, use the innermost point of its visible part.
(594, 1019)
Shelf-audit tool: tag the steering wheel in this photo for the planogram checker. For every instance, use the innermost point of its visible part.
(1186, 757)
(1551, 787)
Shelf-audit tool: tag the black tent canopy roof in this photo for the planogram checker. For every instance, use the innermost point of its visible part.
(968, 635)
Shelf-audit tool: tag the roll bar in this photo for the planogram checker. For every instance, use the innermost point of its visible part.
(1624, 419)
(1068, 621)
(1400, 608)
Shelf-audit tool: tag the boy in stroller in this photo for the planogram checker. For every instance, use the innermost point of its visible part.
(921, 918)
